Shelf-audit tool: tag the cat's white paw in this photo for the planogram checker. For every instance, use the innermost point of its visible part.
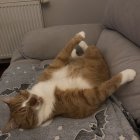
(74, 54)
(82, 33)
(83, 45)
(128, 75)
(47, 123)
(57, 138)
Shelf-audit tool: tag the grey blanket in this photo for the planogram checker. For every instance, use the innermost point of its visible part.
(108, 123)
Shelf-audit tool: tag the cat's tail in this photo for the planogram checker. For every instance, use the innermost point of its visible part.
(107, 88)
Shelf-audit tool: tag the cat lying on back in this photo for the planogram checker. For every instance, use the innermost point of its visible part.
(72, 86)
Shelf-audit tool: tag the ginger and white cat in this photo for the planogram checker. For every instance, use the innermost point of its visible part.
(71, 86)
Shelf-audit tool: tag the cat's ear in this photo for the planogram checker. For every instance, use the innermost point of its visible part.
(7, 100)
(24, 93)
(35, 102)
(9, 126)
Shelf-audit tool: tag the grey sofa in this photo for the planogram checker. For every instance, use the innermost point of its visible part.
(114, 27)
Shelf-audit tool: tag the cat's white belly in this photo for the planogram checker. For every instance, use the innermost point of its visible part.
(46, 89)
(63, 81)
(72, 83)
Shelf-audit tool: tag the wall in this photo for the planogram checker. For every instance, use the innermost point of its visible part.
(60, 12)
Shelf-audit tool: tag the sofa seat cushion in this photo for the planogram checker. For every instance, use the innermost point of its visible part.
(122, 54)
(46, 43)
(22, 74)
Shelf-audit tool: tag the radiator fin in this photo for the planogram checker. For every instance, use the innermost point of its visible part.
(16, 19)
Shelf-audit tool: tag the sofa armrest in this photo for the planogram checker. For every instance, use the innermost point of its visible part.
(16, 56)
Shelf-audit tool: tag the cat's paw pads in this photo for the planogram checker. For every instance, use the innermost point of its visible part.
(82, 34)
(128, 75)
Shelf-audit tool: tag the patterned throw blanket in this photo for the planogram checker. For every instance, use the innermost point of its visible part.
(110, 122)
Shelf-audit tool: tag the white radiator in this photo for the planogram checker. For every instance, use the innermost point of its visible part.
(17, 17)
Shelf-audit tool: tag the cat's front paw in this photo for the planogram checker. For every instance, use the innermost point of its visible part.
(47, 123)
(128, 75)
(81, 34)
(21, 130)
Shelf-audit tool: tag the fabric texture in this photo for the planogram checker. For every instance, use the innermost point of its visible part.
(68, 12)
(46, 43)
(16, 56)
(122, 54)
(123, 16)
(107, 123)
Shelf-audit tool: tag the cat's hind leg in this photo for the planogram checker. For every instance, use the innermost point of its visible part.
(79, 51)
(64, 56)
(83, 102)
(97, 95)
(109, 87)
(83, 45)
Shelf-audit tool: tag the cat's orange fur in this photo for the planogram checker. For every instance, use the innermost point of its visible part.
(68, 101)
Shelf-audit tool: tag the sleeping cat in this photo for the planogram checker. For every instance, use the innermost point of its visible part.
(72, 86)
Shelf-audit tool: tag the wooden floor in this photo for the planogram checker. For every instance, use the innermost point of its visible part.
(3, 67)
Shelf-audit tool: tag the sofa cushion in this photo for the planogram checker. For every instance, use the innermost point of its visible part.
(122, 54)
(124, 16)
(46, 43)
(22, 74)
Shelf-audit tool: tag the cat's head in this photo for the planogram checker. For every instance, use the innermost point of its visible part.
(23, 111)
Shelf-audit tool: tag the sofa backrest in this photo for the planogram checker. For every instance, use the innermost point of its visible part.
(64, 12)
(124, 16)
(120, 46)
